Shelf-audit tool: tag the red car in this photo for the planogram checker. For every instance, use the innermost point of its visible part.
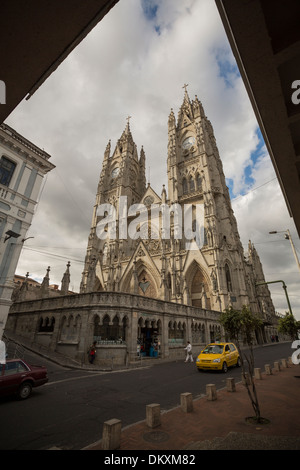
(17, 377)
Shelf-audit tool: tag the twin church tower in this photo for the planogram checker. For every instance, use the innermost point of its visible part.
(212, 275)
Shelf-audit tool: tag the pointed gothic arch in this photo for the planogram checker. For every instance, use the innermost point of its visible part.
(199, 286)
(148, 281)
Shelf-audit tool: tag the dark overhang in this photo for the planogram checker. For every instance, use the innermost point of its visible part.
(265, 39)
(36, 37)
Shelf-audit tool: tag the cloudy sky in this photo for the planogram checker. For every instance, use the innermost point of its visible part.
(135, 62)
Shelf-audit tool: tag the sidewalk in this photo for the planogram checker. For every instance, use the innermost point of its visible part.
(221, 424)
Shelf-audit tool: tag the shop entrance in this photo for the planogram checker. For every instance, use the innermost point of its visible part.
(148, 342)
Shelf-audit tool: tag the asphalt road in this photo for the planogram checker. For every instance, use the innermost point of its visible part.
(68, 413)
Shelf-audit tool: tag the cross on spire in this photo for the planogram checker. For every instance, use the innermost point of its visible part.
(185, 86)
(127, 119)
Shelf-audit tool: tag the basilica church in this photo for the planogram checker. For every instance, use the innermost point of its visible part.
(159, 268)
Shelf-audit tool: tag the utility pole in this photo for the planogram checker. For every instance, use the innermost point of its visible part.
(288, 236)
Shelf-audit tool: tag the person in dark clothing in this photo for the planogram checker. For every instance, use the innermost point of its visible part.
(92, 352)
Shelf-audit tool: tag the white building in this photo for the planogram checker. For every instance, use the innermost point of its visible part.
(22, 168)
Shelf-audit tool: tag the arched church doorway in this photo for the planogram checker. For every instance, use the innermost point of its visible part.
(200, 291)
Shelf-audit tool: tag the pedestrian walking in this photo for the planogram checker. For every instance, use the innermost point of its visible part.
(189, 355)
(92, 352)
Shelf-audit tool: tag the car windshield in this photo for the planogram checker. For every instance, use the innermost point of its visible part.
(213, 349)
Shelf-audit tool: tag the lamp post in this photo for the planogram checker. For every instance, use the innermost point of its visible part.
(287, 236)
(285, 291)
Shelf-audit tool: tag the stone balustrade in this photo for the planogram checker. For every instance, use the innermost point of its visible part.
(111, 300)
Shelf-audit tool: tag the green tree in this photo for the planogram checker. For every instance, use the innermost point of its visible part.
(240, 325)
(289, 325)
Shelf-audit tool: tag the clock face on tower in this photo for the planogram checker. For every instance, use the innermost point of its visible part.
(188, 143)
(115, 172)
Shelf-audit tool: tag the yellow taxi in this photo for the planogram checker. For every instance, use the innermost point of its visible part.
(218, 356)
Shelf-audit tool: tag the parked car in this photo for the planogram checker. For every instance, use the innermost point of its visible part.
(218, 356)
(19, 378)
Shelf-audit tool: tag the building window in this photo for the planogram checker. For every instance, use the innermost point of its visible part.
(199, 182)
(228, 278)
(46, 325)
(192, 185)
(109, 333)
(7, 167)
(176, 334)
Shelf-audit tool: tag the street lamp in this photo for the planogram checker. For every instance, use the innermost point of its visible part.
(9, 234)
(287, 236)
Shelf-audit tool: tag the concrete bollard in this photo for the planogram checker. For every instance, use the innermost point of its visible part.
(186, 401)
(268, 369)
(246, 379)
(153, 415)
(230, 384)
(277, 366)
(111, 435)
(211, 392)
(257, 373)
(284, 363)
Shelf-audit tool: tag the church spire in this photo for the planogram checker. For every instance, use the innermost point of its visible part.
(185, 114)
(172, 120)
(45, 283)
(128, 126)
(65, 282)
(186, 96)
(107, 150)
(127, 136)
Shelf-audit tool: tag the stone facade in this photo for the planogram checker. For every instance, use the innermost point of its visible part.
(150, 286)
(69, 324)
(215, 276)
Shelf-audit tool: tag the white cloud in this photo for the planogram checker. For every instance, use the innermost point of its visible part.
(125, 67)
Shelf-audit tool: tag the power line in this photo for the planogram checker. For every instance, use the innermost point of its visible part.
(254, 189)
(54, 255)
(55, 247)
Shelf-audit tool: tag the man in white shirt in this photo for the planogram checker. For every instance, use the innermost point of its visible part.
(188, 349)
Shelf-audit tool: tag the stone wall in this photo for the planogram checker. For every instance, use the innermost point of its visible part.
(66, 324)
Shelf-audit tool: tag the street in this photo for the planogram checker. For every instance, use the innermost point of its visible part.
(68, 412)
